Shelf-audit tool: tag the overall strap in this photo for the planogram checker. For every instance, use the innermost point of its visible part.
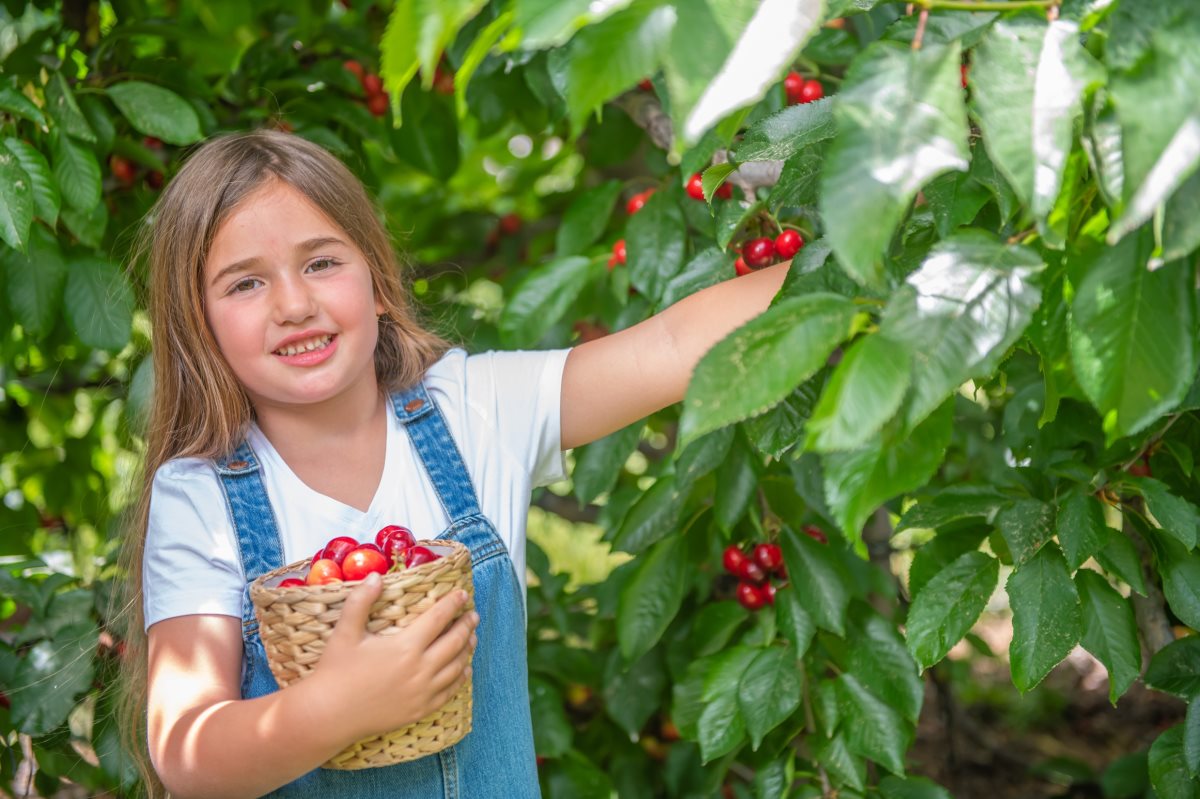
(250, 508)
(438, 451)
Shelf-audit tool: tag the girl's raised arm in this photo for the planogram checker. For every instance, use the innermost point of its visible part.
(613, 381)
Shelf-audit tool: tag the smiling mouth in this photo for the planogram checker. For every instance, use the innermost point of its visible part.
(316, 343)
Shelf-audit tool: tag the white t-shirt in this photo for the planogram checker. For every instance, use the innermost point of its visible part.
(502, 409)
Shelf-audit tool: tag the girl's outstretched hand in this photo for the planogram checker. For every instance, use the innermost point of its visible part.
(382, 682)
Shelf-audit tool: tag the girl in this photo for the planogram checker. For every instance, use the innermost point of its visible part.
(296, 398)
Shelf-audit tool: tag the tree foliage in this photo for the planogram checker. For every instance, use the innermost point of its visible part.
(984, 357)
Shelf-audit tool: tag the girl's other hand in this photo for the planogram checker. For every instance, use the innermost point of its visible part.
(382, 682)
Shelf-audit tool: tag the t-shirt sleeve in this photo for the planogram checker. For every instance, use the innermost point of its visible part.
(526, 389)
(190, 563)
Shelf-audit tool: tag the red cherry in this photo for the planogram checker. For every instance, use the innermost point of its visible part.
(1141, 468)
(355, 67)
(758, 252)
(752, 571)
(122, 170)
(371, 84)
(768, 556)
(637, 201)
(619, 251)
(391, 531)
(792, 85)
(290, 582)
(811, 91)
(338, 548)
(418, 555)
(645, 85)
(788, 243)
(443, 81)
(695, 188)
(816, 533)
(363, 561)
(510, 224)
(751, 596)
(769, 591)
(377, 104)
(963, 70)
(740, 267)
(733, 559)
(724, 191)
(324, 571)
(154, 180)
(152, 142)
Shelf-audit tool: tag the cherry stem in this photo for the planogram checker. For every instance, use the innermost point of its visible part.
(919, 36)
(1154, 439)
(984, 5)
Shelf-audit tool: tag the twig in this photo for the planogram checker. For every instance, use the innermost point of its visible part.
(1150, 610)
(810, 724)
(1151, 442)
(985, 5)
(922, 19)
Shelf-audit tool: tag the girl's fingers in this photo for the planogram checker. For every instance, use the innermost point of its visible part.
(357, 609)
(433, 622)
(452, 670)
(454, 641)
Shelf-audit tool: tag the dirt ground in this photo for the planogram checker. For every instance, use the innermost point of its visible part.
(980, 739)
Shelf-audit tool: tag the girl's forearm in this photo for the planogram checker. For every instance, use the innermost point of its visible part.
(251, 747)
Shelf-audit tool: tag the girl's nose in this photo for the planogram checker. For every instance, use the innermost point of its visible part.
(293, 301)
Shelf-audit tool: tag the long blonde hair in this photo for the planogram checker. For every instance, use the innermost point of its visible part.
(198, 408)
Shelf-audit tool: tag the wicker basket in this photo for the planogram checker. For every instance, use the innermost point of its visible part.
(295, 623)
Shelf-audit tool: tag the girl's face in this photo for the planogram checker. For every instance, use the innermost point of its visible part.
(289, 299)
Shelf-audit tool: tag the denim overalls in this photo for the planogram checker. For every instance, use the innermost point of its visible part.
(496, 758)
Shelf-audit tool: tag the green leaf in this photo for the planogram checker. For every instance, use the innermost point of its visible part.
(76, 172)
(475, 55)
(1180, 572)
(631, 695)
(1169, 774)
(912, 788)
(1132, 335)
(650, 598)
(834, 755)
(732, 217)
(417, 33)
(1158, 104)
(87, 226)
(878, 657)
(541, 299)
(766, 358)
(799, 180)
(99, 303)
(737, 479)
(901, 122)
(61, 105)
(1191, 738)
(949, 605)
(652, 517)
(1178, 517)
(1118, 555)
(716, 622)
(1026, 525)
(35, 282)
(713, 177)
(1047, 621)
(877, 731)
(1127, 777)
(956, 199)
(787, 132)
(610, 56)
(859, 481)
(1175, 669)
(763, 47)
(959, 313)
(551, 23)
(599, 464)
(553, 734)
(1109, 631)
(156, 111)
(825, 590)
(1027, 80)
(708, 268)
(951, 505)
(1181, 222)
(51, 678)
(796, 624)
(1080, 527)
(769, 691)
(16, 200)
(865, 391)
(720, 727)
(586, 219)
(19, 105)
(428, 140)
(702, 456)
(656, 240)
(45, 194)
(943, 550)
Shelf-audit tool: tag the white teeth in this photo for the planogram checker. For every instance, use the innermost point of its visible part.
(305, 346)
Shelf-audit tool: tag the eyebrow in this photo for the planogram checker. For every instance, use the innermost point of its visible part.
(247, 263)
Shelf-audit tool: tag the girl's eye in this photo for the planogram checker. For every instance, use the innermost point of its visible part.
(322, 264)
(245, 284)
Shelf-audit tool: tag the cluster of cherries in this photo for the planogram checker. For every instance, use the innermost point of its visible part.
(344, 558)
(760, 252)
(799, 90)
(377, 101)
(754, 571)
(125, 171)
